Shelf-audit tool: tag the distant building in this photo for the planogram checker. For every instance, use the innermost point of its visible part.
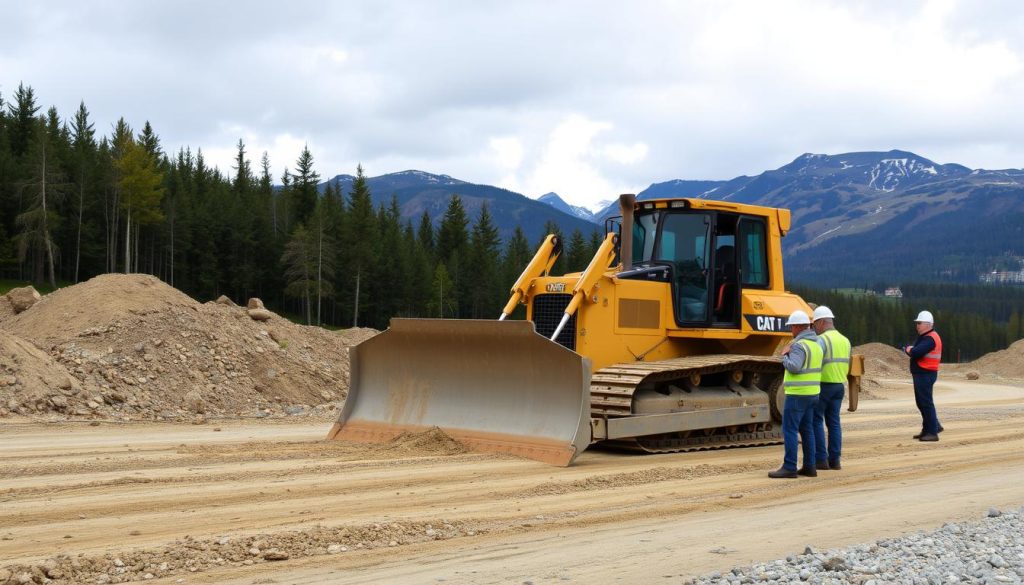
(1003, 277)
(894, 292)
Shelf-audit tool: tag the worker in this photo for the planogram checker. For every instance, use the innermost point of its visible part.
(802, 380)
(835, 366)
(925, 355)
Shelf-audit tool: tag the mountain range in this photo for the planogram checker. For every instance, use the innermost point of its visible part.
(418, 192)
(859, 219)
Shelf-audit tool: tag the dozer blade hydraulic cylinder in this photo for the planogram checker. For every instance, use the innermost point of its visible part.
(495, 386)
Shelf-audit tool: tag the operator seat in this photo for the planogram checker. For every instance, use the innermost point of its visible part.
(725, 283)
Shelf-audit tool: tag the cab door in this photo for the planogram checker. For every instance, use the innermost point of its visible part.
(684, 242)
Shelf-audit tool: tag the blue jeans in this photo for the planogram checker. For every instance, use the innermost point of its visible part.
(830, 402)
(923, 384)
(798, 417)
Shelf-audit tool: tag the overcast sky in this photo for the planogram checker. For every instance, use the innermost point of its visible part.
(587, 99)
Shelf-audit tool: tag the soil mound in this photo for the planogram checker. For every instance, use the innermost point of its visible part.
(28, 376)
(6, 309)
(356, 335)
(1005, 363)
(138, 348)
(883, 361)
(95, 303)
(433, 441)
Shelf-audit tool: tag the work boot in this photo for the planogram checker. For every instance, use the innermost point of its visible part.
(918, 435)
(820, 465)
(929, 437)
(807, 471)
(833, 465)
(782, 473)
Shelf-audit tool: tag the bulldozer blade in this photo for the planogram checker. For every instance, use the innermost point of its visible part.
(495, 386)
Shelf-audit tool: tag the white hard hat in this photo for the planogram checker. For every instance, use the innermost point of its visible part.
(924, 317)
(823, 312)
(798, 317)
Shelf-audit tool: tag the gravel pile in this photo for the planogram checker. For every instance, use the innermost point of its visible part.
(989, 551)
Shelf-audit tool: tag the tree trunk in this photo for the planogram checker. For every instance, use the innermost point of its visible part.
(319, 269)
(46, 226)
(128, 243)
(78, 241)
(172, 242)
(355, 313)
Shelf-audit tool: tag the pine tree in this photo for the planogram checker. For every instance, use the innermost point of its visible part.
(441, 303)
(300, 268)
(150, 141)
(362, 239)
(517, 256)
(325, 252)
(44, 186)
(484, 256)
(304, 187)
(23, 119)
(425, 233)
(83, 138)
(453, 251)
(578, 254)
(420, 272)
(391, 263)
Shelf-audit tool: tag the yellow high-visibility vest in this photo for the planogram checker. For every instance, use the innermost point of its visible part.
(836, 364)
(806, 382)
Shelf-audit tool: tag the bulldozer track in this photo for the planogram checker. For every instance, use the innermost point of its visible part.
(713, 442)
(612, 389)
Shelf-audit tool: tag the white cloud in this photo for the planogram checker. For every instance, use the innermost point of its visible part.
(508, 151)
(283, 148)
(571, 160)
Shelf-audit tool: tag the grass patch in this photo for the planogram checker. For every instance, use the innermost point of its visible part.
(44, 288)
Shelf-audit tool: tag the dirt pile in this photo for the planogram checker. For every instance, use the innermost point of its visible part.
(6, 309)
(29, 377)
(883, 361)
(433, 441)
(135, 347)
(1005, 363)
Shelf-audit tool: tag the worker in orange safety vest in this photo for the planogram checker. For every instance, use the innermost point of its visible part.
(925, 356)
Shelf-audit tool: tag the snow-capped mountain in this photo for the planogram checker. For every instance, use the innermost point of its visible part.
(860, 215)
(558, 203)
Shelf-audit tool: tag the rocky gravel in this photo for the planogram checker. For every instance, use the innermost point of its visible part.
(194, 555)
(988, 551)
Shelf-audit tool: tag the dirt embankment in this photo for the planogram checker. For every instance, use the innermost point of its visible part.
(131, 346)
(1007, 363)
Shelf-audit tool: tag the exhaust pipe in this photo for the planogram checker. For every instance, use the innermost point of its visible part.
(627, 202)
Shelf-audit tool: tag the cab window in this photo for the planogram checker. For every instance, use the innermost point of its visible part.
(645, 227)
(754, 256)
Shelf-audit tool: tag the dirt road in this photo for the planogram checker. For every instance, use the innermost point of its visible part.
(210, 503)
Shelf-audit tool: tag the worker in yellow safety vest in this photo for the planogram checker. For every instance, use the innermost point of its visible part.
(802, 359)
(835, 367)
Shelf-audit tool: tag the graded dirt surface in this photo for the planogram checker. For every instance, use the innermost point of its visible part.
(217, 502)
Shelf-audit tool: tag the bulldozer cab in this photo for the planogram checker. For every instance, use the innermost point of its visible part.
(708, 256)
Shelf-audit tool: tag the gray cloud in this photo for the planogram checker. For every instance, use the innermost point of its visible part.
(587, 99)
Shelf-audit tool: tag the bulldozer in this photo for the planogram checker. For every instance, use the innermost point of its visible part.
(666, 342)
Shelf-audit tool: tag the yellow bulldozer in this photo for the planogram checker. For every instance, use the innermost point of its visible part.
(667, 341)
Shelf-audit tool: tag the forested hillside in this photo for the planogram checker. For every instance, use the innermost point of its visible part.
(972, 319)
(75, 203)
